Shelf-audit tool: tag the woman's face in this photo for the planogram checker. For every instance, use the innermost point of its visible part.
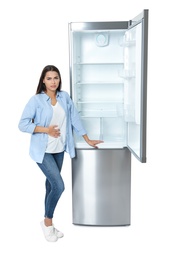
(51, 81)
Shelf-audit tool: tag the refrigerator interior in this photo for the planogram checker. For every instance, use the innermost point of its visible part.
(106, 69)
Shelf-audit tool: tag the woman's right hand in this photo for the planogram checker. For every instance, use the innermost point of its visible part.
(54, 131)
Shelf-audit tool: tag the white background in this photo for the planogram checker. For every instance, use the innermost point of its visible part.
(34, 34)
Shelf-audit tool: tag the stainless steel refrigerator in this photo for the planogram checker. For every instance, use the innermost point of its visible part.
(108, 78)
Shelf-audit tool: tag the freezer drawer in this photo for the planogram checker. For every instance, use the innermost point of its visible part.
(101, 184)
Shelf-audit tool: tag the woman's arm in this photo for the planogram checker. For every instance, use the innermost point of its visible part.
(52, 130)
(77, 124)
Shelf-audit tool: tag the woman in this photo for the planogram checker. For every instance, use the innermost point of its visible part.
(49, 116)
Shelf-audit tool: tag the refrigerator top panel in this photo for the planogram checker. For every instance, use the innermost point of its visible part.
(82, 26)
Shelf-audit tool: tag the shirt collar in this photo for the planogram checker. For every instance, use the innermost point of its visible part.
(46, 97)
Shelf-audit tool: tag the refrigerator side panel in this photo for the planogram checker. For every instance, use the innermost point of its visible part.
(101, 187)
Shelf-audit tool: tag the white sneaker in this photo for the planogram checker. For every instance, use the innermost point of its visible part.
(58, 233)
(49, 232)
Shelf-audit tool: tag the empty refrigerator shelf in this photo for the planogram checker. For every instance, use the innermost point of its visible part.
(117, 81)
(100, 108)
(105, 145)
(101, 63)
(109, 141)
(101, 113)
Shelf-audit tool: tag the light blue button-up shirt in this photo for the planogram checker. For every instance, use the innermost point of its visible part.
(38, 112)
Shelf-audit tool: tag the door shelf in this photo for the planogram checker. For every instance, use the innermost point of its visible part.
(127, 43)
(127, 74)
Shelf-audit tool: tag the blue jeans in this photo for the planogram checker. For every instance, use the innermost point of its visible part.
(51, 167)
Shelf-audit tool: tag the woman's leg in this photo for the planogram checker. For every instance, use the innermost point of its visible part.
(51, 167)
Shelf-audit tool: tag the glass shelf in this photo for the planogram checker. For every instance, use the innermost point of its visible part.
(118, 81)
(100, 63)
(100, 108)
(102, 114)
(116, 102)
(104, 145)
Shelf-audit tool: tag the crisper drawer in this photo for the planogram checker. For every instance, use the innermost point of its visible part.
(109, 129)
(92, 126)
(113, 130)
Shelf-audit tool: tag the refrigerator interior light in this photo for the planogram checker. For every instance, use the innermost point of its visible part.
(102, 39)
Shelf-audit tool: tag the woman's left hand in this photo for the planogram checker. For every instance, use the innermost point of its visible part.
(92, 143)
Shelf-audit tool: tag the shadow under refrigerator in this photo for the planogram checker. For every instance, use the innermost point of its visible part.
(108, 78)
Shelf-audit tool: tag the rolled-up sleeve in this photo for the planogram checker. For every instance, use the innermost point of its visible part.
(76, 120)
(26, 123)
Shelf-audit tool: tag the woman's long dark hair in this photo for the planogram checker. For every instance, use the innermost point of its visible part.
(41, 86)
